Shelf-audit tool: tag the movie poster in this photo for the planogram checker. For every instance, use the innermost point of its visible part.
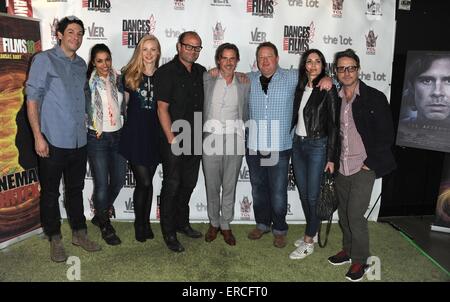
(19, 183)
(424, 121)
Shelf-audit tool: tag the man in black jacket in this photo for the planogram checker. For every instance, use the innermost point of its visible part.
(367, 135)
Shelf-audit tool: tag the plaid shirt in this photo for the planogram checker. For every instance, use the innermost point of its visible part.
(271, 114)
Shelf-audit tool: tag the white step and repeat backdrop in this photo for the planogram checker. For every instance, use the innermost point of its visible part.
(367, 26)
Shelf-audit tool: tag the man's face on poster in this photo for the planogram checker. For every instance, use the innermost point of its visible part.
(432, 91)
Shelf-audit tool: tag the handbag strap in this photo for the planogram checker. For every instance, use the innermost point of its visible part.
(327, 232)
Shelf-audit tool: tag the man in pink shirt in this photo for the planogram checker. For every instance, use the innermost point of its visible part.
(367, 135)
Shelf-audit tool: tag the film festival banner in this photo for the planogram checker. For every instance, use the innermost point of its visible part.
(294, 26)
(19, 184)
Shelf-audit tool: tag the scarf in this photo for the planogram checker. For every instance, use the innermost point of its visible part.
(96, 85)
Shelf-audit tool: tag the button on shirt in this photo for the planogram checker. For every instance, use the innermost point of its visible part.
(224, 106)
(353, 153)
(57, 83)
(270, 115)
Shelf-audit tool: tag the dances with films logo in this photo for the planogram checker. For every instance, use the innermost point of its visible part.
(261, 8)
(298, 38)
(371, 42)
(218, 34)
(103, 6)
(338, 7)
(134, 29)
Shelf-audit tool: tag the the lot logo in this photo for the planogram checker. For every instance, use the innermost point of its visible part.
(338, 7)
(96, 32)
(373, 9)
(258, 36)
(307, 3)
(371, 42)
(103, 6)
(218, 34)
(173, 33)
(261, 8)
(179, 4)
(298, 38)
(246, 208)
(134, 29)
(220, 3)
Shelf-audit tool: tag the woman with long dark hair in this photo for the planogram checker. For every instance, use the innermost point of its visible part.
(105, 116)
(315, 145)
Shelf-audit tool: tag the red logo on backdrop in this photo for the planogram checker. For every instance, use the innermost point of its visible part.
(262, 8)
(134, 29)
(20, 8)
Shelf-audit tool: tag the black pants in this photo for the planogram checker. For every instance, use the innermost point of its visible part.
(180, 175)
(70, 164)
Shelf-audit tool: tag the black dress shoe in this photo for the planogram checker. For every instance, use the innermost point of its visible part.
(148, 233)
(190, 232)
(173, 244)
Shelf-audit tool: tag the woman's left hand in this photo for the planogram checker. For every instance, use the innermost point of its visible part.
(329, 167)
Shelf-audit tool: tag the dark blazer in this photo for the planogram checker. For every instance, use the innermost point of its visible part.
(373, 120)
(321, 115)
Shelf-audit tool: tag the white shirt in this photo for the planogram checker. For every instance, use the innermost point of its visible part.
(301, 129)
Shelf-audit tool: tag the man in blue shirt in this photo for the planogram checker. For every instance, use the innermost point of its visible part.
(56, 111)
(269, 142)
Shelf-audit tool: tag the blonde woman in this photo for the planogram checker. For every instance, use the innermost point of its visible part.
(140, 140)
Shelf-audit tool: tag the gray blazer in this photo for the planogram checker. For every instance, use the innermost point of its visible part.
(209, 83)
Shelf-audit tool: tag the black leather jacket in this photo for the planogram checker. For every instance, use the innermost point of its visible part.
(321, 115)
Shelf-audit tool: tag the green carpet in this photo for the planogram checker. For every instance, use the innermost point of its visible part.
(216, 261)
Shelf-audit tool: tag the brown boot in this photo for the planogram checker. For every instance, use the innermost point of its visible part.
(211, 234)
(279, 241)
(57, 252)
(256, 234)
(80, 238)
(228, 237)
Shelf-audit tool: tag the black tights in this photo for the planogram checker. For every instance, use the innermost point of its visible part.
(143, 193)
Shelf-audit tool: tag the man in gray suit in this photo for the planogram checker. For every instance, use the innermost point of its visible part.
(225, 112)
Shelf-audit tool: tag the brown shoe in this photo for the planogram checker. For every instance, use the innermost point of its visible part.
(80, 238)
(279, 241)
(57, 252)
(228, 237)
(211, 234)
(256, 234)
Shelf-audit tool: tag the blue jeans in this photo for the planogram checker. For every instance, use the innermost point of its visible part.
(269, 191)
(308, 159)
(108, 168)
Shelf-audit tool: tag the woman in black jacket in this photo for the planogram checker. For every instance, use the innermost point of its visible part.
(316, 124)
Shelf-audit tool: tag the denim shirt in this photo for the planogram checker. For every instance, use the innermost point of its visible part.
(272, 113)
(57, 83)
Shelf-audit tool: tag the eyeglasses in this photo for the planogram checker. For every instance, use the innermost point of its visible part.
(350, 69)
(72, 18)
(191, 47)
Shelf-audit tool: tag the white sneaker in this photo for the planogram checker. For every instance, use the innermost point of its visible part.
(305, 249)
(300, 240)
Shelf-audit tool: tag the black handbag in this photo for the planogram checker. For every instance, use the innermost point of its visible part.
(326, 205)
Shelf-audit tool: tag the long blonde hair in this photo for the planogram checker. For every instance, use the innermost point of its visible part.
(134, 70)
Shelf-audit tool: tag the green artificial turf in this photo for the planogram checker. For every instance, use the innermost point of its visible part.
(249, 260)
